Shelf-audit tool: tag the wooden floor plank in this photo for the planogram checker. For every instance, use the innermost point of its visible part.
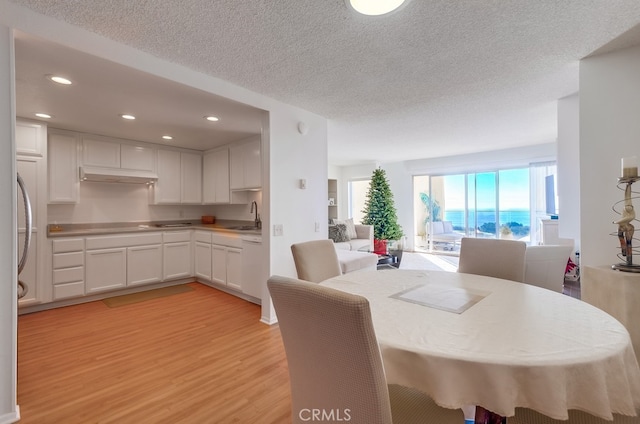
(195, 357)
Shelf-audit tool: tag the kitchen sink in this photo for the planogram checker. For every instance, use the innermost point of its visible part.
(244, 228)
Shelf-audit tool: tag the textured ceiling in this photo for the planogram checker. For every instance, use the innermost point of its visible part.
(439, 77)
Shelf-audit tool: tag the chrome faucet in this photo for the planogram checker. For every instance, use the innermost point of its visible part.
(254, 207)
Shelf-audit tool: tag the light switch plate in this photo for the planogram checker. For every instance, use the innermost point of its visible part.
(277, 230)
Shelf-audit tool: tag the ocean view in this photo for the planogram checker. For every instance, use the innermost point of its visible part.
(457, 217)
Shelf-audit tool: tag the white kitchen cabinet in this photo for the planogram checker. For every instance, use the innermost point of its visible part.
(226, 254)
(167, 188)
(176, 255)
(68, 268)
(106, 269)
(29, 140)
(137, 157)
(215, 176)
(202, 260)
(63, 167)
(245, 165)
(179, 178)
(144, 264)
(190, 178)
(254, 276)
(100, 153)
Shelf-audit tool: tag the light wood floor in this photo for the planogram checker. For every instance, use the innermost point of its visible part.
(196, 357)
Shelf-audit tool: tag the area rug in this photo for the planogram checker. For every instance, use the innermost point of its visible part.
(128, 299)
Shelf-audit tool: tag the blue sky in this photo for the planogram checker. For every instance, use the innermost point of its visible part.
(514, 190)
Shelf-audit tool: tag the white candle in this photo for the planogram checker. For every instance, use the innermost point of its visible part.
(630, 167)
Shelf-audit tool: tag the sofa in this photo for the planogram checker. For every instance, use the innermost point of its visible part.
(363, 241)
(442, 232)
(353, 252)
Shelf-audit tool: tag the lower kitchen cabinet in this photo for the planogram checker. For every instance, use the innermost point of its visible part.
(202, 260)
(176, 255)
(144, 264)
(106, 269)
(227, 266)
(68, 268)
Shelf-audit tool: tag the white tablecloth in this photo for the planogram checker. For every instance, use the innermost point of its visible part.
(519, 346)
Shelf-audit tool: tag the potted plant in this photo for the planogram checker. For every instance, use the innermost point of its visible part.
(380, 212)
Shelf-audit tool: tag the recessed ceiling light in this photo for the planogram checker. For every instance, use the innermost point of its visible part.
(129, 117)
(212, 118)
(60, 80)
(374, 7)
(167, 137)
(44, 115)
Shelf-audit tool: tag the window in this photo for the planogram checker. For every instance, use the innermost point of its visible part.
(357, 198)
(505, 203)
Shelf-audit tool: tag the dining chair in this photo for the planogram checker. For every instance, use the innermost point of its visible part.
(316, 260)
(493, 258)
(529, 416)
(335, 365)
(545, 266)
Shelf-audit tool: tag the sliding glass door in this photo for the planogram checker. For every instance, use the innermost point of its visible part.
(493, 204)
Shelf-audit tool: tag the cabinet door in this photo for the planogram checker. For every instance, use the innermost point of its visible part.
(144, 264)
(234, 268)
(215, 179)
(63, 169)
(30, 138)
(203, 260)
(176, 260)
(236, 167)
(191, 178)
(252, 165)
(167, 188)
(219, 264)
(100, 153)
(137, 157)
(106, 269)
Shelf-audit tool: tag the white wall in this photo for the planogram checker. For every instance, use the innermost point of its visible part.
(609, 131)
(8, 234)
(568, 165)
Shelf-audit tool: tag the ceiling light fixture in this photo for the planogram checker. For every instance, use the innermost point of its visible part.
(58, 79)
(167, 137)
(212, 118)
(128, 117)
(374, 7)
(44, 115)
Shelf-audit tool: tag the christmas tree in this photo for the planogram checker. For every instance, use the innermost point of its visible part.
(379, 209)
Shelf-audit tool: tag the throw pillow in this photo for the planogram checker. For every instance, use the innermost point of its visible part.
(338, 233)
(351, 227)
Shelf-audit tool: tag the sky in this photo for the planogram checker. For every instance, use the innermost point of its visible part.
(513, 183)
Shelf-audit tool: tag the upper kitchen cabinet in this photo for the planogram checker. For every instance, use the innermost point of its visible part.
(246, 165)
(215, 176)
(29, 140)
(179, 178)
(113, 154)
(63, 167)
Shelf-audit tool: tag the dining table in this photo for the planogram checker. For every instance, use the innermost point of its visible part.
(466, 339)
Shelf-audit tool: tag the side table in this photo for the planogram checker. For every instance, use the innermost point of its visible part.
(618, 294)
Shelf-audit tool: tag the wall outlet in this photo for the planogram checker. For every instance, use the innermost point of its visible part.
(317, 227)
(277, 230)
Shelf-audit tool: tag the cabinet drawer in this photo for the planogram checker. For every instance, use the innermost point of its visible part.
(68, 260)
(231, 241)
(176, 236)
(203, 236)
(62, 291)
(68, 275)
(68, 245)
(110, 242)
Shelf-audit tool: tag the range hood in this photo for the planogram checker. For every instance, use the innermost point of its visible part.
(117, 175)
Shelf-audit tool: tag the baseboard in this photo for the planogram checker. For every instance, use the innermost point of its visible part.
(12, 417)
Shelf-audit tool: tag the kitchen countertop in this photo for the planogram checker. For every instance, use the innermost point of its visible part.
(69, 230)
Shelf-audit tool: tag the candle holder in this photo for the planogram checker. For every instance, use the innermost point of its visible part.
(626, 229)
